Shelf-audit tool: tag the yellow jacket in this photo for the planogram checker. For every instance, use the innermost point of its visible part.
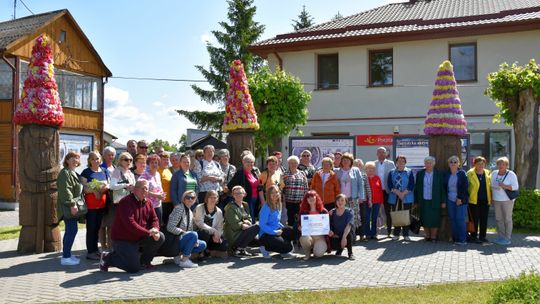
(474, 185)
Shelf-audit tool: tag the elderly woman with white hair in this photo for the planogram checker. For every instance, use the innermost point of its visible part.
(209, 174)
(229, 170)
(295, 187)
(503, 184)
(430, 196)
(456, 185)
(248, 178)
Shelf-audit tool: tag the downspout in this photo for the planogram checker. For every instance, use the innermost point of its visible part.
(102, 110)
(280, 61)
(14, 139)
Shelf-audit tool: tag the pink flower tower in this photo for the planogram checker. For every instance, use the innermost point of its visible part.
(39, 103)
(239, 110)
(445, 116)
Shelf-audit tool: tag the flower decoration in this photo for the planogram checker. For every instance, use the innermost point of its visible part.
(239, 110)
(445, 116)
(39, 102)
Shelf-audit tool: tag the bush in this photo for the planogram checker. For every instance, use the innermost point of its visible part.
(523, 289)
(527, 209)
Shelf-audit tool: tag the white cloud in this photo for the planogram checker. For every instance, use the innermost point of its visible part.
(116, 96)
(157, 103)
(205, 38)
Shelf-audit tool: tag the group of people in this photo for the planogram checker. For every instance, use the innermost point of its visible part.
(191, 206)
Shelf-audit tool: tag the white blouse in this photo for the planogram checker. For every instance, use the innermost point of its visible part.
(498, 193)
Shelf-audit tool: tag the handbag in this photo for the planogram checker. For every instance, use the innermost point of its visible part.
(400, 217)
(470, 223)
(80, 203)
(512, 194)
(415, 222)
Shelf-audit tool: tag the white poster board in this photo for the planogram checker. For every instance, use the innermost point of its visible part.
(78, 143)
(321, 146)
(315, 224)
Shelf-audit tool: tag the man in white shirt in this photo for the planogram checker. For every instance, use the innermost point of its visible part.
(384, 166)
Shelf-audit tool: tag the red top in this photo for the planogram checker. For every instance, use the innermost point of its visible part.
(133, 219)
(253, 183)
(376, 190)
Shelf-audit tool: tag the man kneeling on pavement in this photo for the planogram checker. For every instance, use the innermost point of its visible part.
(135, 233)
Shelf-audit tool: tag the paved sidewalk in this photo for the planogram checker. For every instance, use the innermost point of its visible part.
(40, 278)
(9, 218)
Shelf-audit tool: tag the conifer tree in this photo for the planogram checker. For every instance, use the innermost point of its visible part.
(304, 20)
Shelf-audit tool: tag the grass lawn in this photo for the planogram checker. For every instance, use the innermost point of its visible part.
(12, 232)
(438, 294)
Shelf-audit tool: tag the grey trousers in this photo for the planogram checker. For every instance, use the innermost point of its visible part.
(503, 216)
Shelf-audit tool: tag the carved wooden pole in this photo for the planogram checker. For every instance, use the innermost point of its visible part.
(445, 124)
(40, 113)
(240, 116)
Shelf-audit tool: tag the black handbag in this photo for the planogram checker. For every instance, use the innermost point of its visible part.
(512, 194)
(415, 222)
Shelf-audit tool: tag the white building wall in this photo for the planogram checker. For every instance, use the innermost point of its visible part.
(405, 104)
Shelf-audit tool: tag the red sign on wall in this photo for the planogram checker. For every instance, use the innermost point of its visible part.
(374, 140)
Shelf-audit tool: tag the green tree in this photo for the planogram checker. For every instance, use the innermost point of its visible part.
(281, 104)
(304, 20)
(182, 143)
(516, 92)
(337, 16)
(233, 41)
(162, 143)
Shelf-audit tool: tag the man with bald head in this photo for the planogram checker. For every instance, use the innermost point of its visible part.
(135, 233)
(383, 167)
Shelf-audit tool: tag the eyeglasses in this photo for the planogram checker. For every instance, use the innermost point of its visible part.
(453, 162)
(238, 193)
(144, 148)
(128, 160)
(305, 155)
(189, 197)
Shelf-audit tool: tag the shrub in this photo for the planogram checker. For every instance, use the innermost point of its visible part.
(523, 289)
(527, 209)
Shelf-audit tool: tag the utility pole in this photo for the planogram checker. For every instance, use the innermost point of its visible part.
(14, 9)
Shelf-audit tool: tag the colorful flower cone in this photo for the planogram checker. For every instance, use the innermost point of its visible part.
(445, 116)
(39, 103)
(239, 110)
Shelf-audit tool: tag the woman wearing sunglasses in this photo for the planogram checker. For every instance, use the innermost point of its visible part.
(456, 185)
(181, 224)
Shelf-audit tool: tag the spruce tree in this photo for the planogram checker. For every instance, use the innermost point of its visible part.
(304, 20)
(233, 40)
(337, 16)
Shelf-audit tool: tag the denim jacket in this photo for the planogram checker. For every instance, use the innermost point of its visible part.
(407, 183)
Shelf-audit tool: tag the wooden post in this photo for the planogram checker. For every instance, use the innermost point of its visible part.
(237, 142)
(38, 170)
(442, 147)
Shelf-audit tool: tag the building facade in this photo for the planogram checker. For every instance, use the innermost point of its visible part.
(372, 74)
(80, 74)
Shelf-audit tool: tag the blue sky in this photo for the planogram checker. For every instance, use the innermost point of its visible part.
(165, 39)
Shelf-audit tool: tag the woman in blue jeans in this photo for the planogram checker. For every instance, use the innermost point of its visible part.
(181, 224)
(456, 185)
(69, 190)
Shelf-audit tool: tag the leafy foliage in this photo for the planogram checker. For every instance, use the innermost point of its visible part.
(507, 82)
(233, 41)
(162, 143)
(182, 143)
(304, 20)
(281, 104)
(526, 212)
(523, 289)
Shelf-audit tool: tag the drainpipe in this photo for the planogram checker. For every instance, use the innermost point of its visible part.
(280, 61)
(102, 110)
(14, 139)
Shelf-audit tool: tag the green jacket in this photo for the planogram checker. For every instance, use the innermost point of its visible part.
(69, 188)
(438, 195)
(233, 221)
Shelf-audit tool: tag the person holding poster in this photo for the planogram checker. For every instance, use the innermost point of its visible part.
(316, 243)
(341, 225)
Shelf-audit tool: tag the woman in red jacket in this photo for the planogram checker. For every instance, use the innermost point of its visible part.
(372, 210)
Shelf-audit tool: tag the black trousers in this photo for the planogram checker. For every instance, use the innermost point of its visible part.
(130, 255)
(279, 244)
(361, 229)
(210, 244)
(292, 213)
(387, 208)
(479, 214)
(166, 209)
(159, 214)
(336, 244)
(247, 237)
(93, 224)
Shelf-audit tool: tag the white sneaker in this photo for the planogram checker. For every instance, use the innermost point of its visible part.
(177, 260)
(395, 238)
(287, 255)
(264, 252)
(408, 239)
(74, 258)
(68, 262)
(187, 264)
